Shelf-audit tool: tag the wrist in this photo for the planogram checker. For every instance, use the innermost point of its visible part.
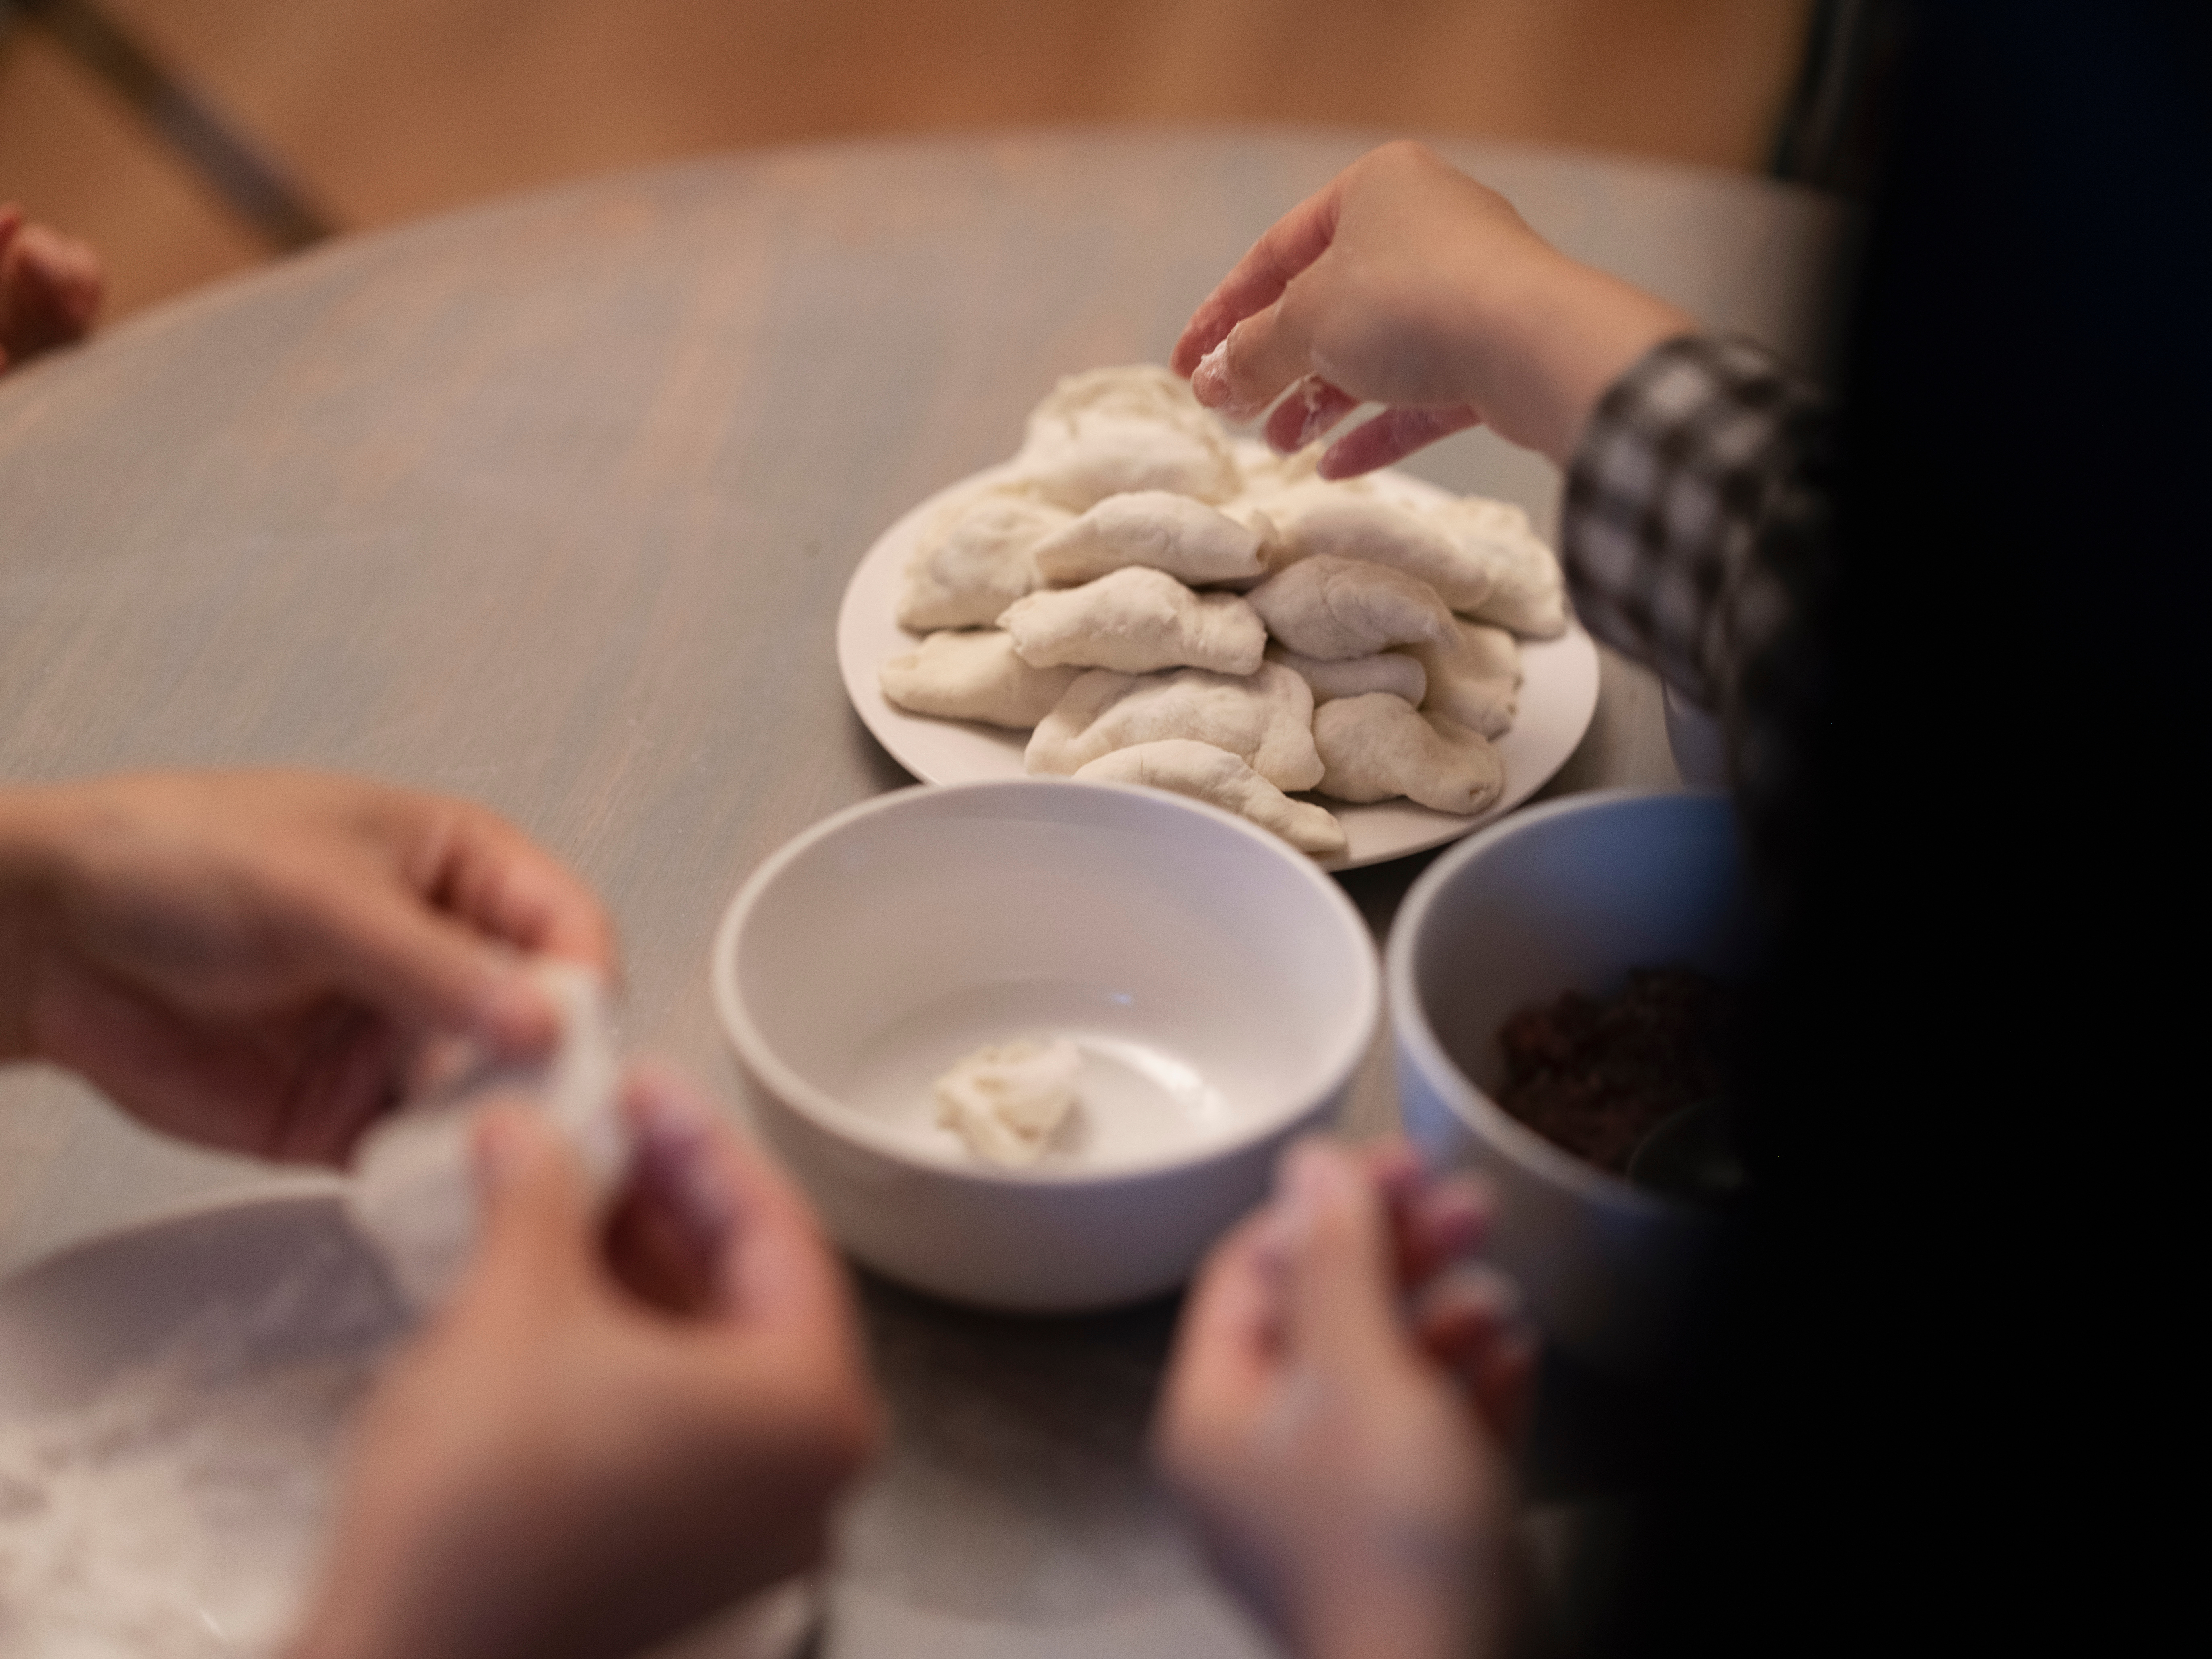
(33, 841)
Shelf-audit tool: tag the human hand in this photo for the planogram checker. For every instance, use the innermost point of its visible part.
(1404, 282)
(50, 287)
(593, 1448)
(1327, 1445)
(250, 960)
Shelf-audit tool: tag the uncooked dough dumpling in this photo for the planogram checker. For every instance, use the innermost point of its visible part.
(1528, 590)
(1265, 719)
(1136, 620)
(1332, 608)
(1189, 540)
(1335, 525)
(414, 1193)
(974, 674)
(975, 559)
(1351, 677)
(1220, 778)
(1110, 431)
(1007, 1100)
(1378, 747)
(1475, 681)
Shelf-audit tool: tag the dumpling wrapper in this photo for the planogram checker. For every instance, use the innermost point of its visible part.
(1528, 590)
(974, 674)
(1214, 775)
(1377, 746)
(975, 559)
(1265, 719)
(1112, 431)
(1399, 675)
(1192, 542)
(1135, 620)
(1475, 681)
(415, 1191)
(1007, 1100)
(1334, 608)
(1313, 524)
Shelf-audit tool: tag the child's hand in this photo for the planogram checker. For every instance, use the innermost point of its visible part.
(1406, 283)
(50, 288)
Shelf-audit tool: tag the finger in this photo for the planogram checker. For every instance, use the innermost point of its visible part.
(1249, 369)
(1443, 1222)
(1225, 1350)
(1311, 408)
(1290, 244)
(1342, 1290)
(1471, 1323)
(1391, 436)
(538, 1223)
(494, 877)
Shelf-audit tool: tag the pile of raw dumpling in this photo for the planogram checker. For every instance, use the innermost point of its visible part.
(1163, 609)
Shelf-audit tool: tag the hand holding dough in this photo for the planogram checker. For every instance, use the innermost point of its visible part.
(1136, 620)
(1399, 675)
(1187, 538)
(973, 560)
(1528, 590)
(974, 674)
(1265, 719)
(1379, 746)
(1220, 778)
(1334, 608)
(1475, 681)
(1110, 431)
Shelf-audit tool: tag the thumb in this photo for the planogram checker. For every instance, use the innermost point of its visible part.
(1342, 1304)
(537, 1226)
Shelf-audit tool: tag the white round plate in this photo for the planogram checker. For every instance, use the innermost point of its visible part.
(1559, 696)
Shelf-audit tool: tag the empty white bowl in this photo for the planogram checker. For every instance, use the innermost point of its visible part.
(1569, 895)
(1223, 989)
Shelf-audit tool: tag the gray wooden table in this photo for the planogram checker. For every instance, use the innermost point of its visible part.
(550, 504)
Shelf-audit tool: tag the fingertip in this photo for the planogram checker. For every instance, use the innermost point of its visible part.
(516, 1014)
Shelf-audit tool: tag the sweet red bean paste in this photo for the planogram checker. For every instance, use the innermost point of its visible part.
(1597, 1075)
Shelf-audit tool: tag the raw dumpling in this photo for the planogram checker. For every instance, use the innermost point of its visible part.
(1528, 592)
(1314, 524)
(1334, 608)
(1379, 746)
(1400, 675)
(415, 1195)
(975, 559)
(1265, 719)
(1187, 539)
(1110, 431)
(1476, 681)
(1214, 775)
(1136, 620)
(973, 675)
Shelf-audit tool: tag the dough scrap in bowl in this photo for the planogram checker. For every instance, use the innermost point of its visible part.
(975, 559)
(1377, 746)
(1475, 681)
(1200, 770)
(1113, 431)
(1334, 608)
(974, 674)
(1265, 719)
(1396, 673)
(1191, 541)
(1136, 620)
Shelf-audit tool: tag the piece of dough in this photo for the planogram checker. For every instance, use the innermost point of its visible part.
(414, 1193)
(1334, 608)
(1528, 590)
(1007, 1100)
(1265, 719)
(1189, 540)
(1351, 677)
(1475, 681)
(975, 559)
(1379, 746)
(1110, 431)
(1214, 775)
(1330, 522)
(974, 674)
(1136, 620)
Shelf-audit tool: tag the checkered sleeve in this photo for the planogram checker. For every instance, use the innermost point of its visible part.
(1690, 509)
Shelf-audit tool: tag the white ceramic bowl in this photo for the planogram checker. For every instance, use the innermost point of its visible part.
(1224, 990)
(1568, 896)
